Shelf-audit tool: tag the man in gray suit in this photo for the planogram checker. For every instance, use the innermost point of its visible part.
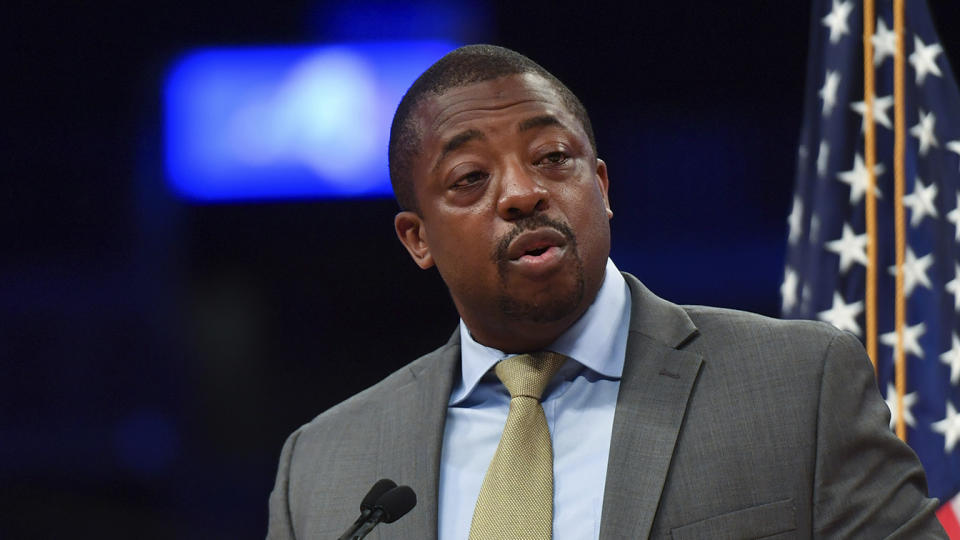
(666, 421)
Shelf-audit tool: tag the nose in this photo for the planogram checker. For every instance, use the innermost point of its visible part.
(521, 194)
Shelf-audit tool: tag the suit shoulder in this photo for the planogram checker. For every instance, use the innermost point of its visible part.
(366, 402)
(720, 328)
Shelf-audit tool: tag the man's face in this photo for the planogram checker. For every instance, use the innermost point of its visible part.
(513, 209)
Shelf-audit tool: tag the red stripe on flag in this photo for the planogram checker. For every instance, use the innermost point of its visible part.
(949, 521)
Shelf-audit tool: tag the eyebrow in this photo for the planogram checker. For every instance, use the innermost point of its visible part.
(544, 120)
(459, 140)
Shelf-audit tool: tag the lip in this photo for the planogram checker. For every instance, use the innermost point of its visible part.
(538, 253)
(545, 238)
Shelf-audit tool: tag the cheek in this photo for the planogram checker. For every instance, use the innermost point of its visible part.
(461, 247)
(592, 224)
(585, 201)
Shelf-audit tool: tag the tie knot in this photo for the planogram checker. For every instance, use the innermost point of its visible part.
(528, 374)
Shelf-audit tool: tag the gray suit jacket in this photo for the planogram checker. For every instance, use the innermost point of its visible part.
(728, 425)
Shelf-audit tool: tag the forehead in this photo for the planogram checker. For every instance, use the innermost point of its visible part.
(509, 98)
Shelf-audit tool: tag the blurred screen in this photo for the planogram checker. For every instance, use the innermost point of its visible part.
(287, 122)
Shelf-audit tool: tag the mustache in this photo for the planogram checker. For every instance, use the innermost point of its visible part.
(530, 223)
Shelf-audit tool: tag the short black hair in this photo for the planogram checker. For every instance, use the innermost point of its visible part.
(466, 65)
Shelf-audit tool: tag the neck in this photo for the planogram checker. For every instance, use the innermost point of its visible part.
(519, 343)
(519, 336)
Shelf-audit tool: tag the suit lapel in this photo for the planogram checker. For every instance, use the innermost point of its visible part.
(654, 390)
(411, 434)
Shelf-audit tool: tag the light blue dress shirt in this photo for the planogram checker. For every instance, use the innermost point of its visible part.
(579, 404)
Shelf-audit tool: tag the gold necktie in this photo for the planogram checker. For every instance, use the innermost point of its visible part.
(516, 500)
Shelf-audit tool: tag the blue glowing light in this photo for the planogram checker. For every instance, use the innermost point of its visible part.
(287, 122)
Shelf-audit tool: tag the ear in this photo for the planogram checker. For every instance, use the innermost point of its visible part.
(413, 236)
(604, 184)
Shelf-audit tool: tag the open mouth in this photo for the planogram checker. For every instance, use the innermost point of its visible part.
(537, 252)
(537, 247)
(539, 255)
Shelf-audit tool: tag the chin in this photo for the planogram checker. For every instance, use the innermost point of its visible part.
(552, 305)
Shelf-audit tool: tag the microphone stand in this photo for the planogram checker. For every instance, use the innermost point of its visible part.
(351, 533)
(372, 521)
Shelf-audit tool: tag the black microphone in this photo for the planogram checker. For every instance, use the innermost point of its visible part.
(370, 500)
(395, 503)
(391, 506)
(367, 506)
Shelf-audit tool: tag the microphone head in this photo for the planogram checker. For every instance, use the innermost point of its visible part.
(382, 486)
(397, 502)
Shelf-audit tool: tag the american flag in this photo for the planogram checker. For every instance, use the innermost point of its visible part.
(827, 245)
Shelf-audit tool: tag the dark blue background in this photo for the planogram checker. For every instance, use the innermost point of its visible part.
(154, 354)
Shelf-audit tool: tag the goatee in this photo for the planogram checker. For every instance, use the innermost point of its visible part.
(558, 305)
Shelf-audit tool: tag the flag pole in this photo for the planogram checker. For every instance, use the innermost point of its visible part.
(899, 172)
(870, 157)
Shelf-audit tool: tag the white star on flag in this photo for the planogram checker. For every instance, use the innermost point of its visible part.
(924, 59)
(920, 202)
(953, 216)
(954, 146)
(952, 359)
(921, 228)
(857, 179)
(851, 248)
(795, 220)
(823, 159)
(880, 116)
(914, 271)
(909, 400)
(949, 427)
(843, 315)
(788, 290)
(924, 131)
(829, 91)
(953, 287)
(836, 20)
(884, 43)
(911, 339)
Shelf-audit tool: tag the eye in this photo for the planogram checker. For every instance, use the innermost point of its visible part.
(469, 179)
(554, 158)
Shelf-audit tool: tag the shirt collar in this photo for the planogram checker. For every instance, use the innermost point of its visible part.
(597, 340)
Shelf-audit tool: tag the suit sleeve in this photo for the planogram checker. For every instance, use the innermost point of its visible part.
(281, 523)
(868, 484)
